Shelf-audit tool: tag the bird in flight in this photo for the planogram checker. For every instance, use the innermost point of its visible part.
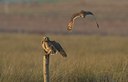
(52, 47)
(82, 14)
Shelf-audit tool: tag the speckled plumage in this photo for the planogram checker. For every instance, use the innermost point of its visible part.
(52, 47)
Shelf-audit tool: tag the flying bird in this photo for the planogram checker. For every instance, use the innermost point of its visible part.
(82, 14)
(52, 47)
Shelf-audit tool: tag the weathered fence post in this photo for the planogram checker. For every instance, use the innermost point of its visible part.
(46, 68)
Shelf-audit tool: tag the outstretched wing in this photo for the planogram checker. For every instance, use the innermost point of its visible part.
(71, 22)
(76, 15)
(90, 13)
(82, 13)
(59, 48)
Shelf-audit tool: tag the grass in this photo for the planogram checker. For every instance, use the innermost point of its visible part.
(92, 58)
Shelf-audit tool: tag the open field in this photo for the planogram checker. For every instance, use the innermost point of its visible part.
(99, 55)
(92, 58)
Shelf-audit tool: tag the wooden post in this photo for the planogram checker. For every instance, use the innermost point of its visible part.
(46, 68)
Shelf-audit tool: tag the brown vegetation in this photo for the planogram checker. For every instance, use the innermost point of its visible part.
(90, 59)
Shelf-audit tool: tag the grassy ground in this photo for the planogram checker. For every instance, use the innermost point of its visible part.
(92, 58)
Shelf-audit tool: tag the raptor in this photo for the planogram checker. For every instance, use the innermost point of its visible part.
(52, 47)
(82, 14)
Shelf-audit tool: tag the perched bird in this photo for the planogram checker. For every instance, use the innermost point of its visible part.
(82, 14)
(52, 47)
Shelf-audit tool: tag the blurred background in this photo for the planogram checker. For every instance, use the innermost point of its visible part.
(94, 55)
(52, 16)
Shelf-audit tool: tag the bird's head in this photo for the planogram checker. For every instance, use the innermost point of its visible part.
(45, 38)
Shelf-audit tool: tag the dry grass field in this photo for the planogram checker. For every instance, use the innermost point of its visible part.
(92, 58)
(94, 55)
